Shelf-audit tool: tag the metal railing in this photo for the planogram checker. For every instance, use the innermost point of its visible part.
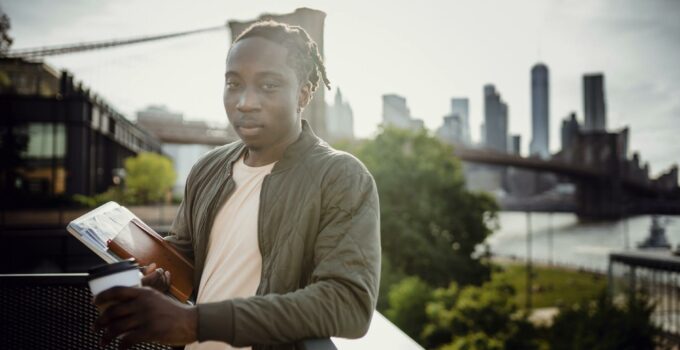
(54, 311)
(657, 274)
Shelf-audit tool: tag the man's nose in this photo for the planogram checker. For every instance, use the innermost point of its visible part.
(248, 101)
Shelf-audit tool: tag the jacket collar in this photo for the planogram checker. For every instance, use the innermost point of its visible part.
(293, 153)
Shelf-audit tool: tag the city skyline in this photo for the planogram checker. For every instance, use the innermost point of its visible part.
(634, 45)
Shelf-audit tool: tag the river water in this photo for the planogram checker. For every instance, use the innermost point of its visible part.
(585, 245)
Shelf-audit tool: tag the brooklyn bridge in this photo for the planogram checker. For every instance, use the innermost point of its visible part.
(608, 184)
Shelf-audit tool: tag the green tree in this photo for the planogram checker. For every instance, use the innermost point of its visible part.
(388, 278)
(407, 300)
(473, 317)
(431, 225)
(603, 325)
(475, 341)
(149, 177)
(5, 40)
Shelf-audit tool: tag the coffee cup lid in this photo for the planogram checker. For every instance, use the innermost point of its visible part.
(109, 269)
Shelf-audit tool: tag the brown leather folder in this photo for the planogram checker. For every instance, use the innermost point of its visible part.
(146, 246)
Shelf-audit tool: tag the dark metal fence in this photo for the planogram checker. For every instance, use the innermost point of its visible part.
(51, 311)
(54, 311)
(655, 273)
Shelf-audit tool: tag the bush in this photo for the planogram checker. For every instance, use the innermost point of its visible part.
(475, 341)
(602, 325)
(112, 194)
(149, 177)
(407, 300)
(477, 318)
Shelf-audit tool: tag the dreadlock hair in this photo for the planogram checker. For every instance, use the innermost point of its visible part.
(303, 53)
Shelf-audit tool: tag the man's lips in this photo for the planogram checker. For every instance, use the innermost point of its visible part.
(247, 129)
(248, 125)
(253, 126)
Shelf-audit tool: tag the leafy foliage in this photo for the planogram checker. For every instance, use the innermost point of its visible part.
(602, 325)
(115, 194)
(407, 300)
(388, 278)
(551, 286)
(149, 176)
(474, 341)
(5, 39)
(431, 225)
(473, 317)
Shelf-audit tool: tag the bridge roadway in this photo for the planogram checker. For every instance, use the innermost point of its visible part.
(602, 192)
(555, 166)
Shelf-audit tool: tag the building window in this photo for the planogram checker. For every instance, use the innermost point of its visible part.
(45, 140)
(105, 123)
(96, 116)
(40, 151)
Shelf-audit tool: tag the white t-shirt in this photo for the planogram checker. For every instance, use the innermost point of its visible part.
(234, 262)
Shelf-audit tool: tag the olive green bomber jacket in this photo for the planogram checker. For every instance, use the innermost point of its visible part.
(318, 233)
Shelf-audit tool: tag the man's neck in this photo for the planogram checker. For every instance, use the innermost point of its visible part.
(264, 156)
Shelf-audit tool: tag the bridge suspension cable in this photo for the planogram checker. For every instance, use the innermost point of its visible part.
(96, 45)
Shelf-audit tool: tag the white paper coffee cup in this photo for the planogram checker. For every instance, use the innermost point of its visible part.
(124, 273)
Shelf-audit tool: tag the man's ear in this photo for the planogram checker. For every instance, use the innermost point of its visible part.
(305, 95)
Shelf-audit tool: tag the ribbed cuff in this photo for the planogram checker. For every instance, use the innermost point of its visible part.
(216, 321)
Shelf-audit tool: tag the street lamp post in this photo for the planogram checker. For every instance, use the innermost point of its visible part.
(528, 268)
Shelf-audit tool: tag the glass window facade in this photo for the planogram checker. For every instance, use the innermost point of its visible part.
(39, 168)
(45, 141)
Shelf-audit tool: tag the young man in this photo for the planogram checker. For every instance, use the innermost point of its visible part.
(283, 230)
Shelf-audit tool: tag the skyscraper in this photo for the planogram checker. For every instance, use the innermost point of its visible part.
(594, 104)
(516, 144)
(456, 127)
(540, 111)
(452, 129)
(396, 113)
(339, 119)
(495, 120)
(570, 129)
(459, 106)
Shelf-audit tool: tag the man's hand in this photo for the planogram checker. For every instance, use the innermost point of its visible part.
(156, 278)
(144, 315)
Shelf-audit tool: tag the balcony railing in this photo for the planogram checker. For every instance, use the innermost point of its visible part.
(657, 274)
(54, 311)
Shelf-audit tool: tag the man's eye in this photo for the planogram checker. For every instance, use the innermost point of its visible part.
(232, 84)
(270, 86)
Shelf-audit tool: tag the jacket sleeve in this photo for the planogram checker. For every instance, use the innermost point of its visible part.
(343, 291)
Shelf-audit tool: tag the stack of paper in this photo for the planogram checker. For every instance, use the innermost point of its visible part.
(101, 225)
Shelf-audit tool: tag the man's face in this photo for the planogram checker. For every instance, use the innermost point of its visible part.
(261, 93)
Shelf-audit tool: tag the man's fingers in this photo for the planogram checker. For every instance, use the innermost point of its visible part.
(112, 313)
(149, 280)
(149, 268)
(116, 294)
(152, 277)
(159, 280)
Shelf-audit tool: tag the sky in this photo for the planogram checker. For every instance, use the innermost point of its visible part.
(426, 51)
